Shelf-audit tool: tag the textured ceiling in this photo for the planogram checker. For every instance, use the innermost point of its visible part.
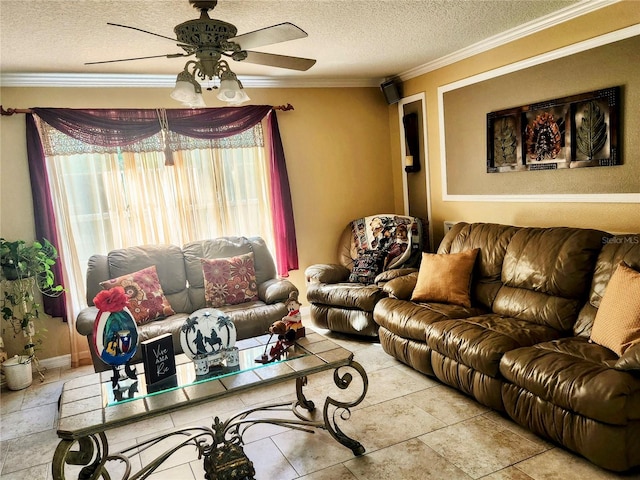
(351, 39)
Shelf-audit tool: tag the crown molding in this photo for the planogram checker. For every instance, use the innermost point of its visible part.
(79, 80)
(521, 31)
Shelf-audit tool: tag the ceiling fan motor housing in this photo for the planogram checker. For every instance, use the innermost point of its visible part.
(205, 32)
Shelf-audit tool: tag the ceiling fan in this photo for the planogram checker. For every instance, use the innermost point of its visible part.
(209, 40)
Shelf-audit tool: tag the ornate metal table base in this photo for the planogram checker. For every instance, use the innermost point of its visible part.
(220, 446)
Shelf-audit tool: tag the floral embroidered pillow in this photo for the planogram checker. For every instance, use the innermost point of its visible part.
(229, 281)
(147, 301)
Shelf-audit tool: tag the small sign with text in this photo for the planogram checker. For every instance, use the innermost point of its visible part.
(159, 359)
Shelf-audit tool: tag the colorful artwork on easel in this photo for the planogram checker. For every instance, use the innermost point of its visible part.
(115, 336)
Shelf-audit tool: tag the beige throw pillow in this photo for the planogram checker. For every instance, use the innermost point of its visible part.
(446, 278)
(617, 323)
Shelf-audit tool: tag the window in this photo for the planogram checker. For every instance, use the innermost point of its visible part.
(114, 197)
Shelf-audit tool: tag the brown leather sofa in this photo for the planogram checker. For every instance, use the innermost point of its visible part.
(181, 278)
(523, 347)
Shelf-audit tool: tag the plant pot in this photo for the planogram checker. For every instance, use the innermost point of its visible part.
(10, 272)
(17, 372)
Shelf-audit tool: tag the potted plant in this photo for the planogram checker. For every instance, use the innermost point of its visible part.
(26, 267)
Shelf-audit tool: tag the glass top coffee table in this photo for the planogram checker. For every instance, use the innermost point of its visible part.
(89, 406)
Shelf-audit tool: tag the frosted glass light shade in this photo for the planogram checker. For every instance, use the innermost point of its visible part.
(230, 92)
(198, 102)
(184, 92)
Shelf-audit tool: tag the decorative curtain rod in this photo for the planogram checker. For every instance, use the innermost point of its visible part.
(13, 111)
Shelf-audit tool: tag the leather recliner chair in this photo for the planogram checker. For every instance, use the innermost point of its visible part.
(372, 250)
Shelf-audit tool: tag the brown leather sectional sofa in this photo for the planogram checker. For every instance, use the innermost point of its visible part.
(523, 347)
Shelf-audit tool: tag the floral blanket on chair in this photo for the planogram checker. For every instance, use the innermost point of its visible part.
(382, 242)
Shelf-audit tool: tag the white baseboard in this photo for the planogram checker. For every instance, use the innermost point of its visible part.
(62, 361)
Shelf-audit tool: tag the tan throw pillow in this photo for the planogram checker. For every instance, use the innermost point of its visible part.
(146, 298)
(617, 323)
(446, 278)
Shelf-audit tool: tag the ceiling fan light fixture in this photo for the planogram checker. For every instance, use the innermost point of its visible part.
(187, 89)
(198, 102)
(231, 89)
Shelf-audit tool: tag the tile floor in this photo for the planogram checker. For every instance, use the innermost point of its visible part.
(411, 426)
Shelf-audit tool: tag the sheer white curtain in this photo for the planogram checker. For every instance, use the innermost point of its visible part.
(117, 199)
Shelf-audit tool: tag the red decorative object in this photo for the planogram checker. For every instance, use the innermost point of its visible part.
(147, 301)
(112, 300)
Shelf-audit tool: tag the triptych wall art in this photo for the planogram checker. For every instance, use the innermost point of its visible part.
(572, 132)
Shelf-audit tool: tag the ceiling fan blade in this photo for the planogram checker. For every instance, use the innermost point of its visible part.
(169, 55)
(282, 32)
(282, 61)
(143, 31)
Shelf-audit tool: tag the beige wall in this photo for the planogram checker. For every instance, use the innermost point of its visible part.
(342, 149)
(336, 143)
(607, 216)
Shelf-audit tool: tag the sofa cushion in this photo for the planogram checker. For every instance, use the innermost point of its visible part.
(578, 376)
(229, 281)
(445, 278)
(367, 266)
(546, 274)
(617, 323)
(147, 301)
(480, 342)
(224, 247)
(409, 320)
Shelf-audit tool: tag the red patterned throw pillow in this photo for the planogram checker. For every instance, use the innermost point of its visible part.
(146, 298)
(229, 281)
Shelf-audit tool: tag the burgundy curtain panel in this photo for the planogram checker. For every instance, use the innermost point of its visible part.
(283, 225)
(43, 211)
(120, 127)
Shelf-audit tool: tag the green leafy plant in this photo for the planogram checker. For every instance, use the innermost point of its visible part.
(26, 268)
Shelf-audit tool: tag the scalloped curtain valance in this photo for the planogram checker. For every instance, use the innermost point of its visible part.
(121, 127)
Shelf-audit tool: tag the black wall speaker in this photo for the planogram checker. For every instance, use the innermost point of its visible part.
(391, 91)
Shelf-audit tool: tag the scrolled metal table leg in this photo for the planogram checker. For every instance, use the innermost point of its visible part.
(302, 400)
(342, 410)
(92, 453)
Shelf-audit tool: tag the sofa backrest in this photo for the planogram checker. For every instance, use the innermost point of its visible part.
(179, 270)
(616, 249)
(169, 263)
(546, 274)
(224, 247)
(492, 239)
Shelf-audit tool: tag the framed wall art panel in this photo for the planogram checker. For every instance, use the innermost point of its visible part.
(571, 132)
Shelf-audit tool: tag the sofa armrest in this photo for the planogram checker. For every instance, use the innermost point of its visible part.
(630, 359)
(389, 275)
(86, 319)
(326, 273)
(275, 290)
(402, 286)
